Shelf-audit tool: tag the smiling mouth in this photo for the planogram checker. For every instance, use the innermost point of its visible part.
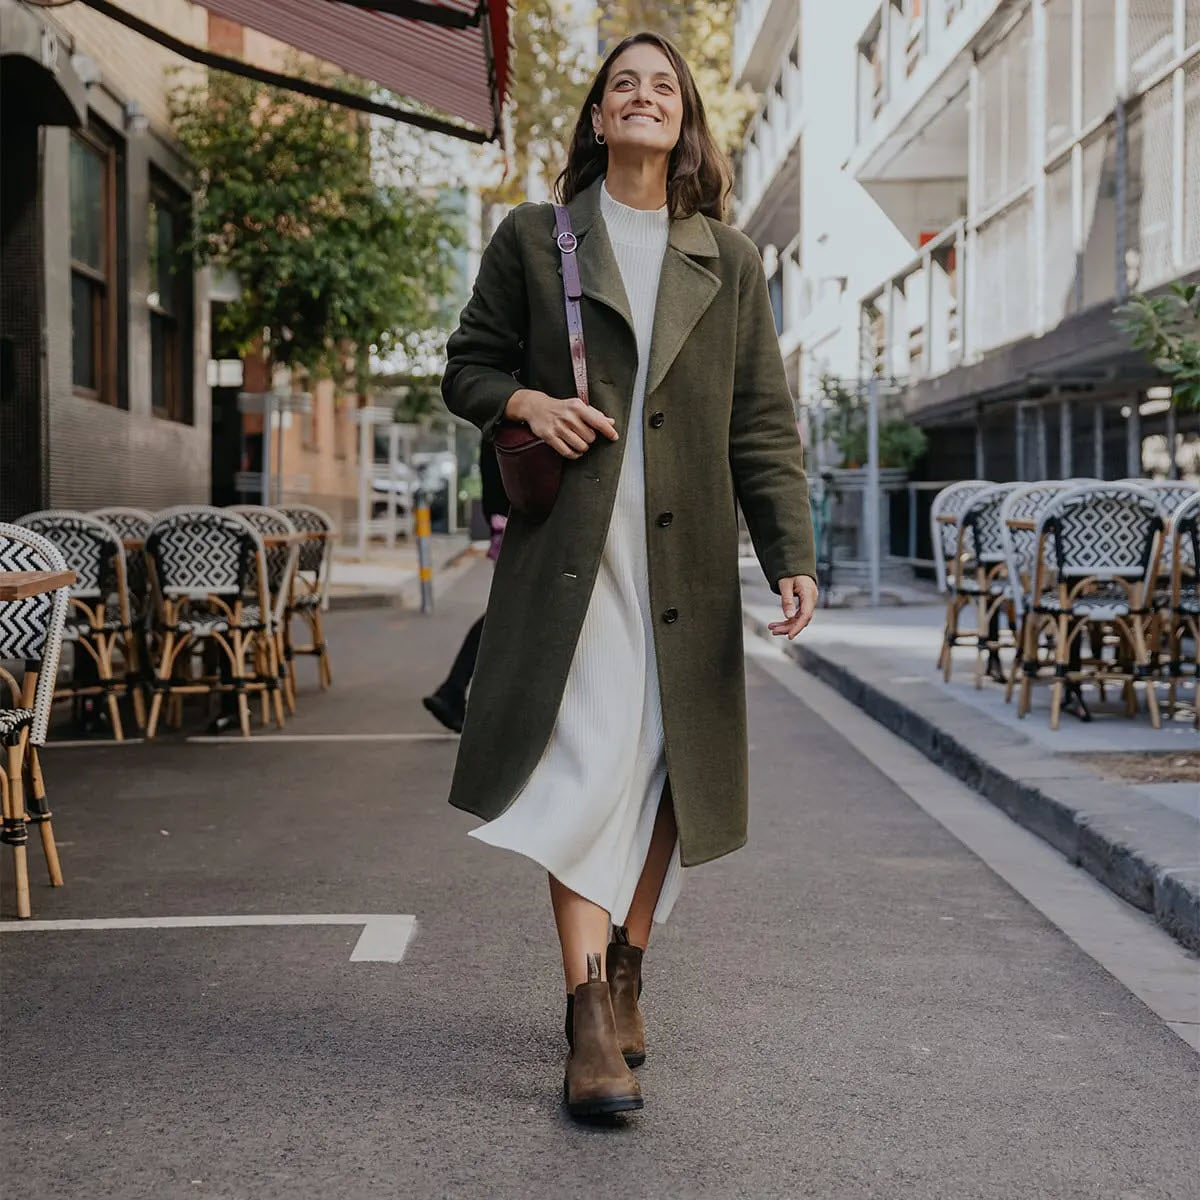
(642, 117)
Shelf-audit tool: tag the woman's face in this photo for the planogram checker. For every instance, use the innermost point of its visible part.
(642, 108)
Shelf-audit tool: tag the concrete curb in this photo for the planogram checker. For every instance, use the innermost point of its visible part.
(1146, 853)
(407, 594)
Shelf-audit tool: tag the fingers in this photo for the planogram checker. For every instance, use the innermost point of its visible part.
(787, 597)
(599, 421)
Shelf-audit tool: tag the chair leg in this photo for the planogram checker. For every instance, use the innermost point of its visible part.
(133, 671)
(326, 672)
(1061, 651)
(1143, 664)
(284, 663)
(104, 668)
(40, 815)
(15, 830)
(946, 662)
(162, 676)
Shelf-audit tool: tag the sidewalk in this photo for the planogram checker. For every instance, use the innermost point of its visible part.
(1141, 839)
(392, 577)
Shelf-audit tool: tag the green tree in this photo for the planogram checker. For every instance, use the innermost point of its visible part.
(1167, 328)
(337, 250)
(550, 80)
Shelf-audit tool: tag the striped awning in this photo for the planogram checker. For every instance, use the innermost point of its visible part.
(449, 57)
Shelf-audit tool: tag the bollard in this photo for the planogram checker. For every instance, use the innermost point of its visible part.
(425, 553)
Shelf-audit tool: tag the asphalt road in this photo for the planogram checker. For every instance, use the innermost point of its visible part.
(853, 1006)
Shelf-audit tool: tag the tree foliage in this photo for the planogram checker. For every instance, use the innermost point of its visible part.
(550, 78)
(337, 250)
(1167, 328)
(901, 444)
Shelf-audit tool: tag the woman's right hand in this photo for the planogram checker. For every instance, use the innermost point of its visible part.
(568, 425)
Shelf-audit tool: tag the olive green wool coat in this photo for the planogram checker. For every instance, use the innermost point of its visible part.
(720, 428)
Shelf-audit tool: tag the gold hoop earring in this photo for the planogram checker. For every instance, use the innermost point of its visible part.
(599, 138)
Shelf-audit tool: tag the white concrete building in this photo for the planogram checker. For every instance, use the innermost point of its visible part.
(960, 191)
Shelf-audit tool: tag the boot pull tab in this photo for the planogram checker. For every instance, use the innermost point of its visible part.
(593, 967)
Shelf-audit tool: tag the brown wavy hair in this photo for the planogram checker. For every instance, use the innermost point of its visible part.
(698, 177)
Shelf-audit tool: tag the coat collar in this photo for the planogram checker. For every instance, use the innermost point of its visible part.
(685, 290)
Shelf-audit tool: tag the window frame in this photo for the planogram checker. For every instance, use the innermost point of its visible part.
(178, 387)
(105, 283)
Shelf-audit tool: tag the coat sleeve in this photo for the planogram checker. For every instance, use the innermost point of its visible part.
(487, 348)
(765, 451)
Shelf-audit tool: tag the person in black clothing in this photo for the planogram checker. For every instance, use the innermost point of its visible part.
(449, 703)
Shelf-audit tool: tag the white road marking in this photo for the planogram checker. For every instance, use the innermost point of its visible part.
(1125, 942)
(259, 739)
(92, 743)
(385, 936)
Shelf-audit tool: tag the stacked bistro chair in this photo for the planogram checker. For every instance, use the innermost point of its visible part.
(945, 515)
(31, 632)
(281, 566)
(1184, 614)
(310, 586)
(99, 621)
(1098, 552)
(204, 564)
(132, 526)
(980, 575)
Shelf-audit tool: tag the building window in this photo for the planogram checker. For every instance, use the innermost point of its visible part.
(96, 262)
(170, 302)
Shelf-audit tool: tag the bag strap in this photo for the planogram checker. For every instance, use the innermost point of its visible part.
(572, 290)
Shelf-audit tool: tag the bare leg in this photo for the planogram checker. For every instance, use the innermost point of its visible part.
(658, 859)
(582, 930)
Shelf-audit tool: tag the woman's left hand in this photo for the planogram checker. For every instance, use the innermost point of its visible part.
(799, 597)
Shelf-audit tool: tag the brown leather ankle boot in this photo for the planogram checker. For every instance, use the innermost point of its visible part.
(623, 966)
(597, 1081)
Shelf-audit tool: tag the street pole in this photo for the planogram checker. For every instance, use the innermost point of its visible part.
(871, 521)
(268, 410)
(425, 552)
(366, 466)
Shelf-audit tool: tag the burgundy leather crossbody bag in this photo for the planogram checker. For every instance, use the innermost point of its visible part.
(532, 470)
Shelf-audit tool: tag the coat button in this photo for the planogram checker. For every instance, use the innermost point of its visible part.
(671, 616)
(664, 519)
(656, 420)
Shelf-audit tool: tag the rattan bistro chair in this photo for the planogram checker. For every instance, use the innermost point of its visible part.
(310, 586)
(31, 632)
(99, 620)
(945, 514)
(1099, 546)
(203, 560)
(281, 566)
(980, 575)
(1185, 597)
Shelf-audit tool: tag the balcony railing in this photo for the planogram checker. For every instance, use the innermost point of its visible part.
(771, 135)
(912, 327)
(747, 23)
(906, 41)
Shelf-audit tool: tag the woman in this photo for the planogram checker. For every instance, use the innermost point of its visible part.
(606, 730)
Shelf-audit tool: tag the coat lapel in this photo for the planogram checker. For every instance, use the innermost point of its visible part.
(685, 290)
(599, 275)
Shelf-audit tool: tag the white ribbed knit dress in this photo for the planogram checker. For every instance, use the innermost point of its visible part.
(588, 810)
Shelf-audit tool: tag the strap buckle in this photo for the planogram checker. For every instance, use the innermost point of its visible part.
(567, 242)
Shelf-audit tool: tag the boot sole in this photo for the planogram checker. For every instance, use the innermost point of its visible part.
(635, 1060)
(602, 1108)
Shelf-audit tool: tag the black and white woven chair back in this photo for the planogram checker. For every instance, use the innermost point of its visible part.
(1106, 530)
(198, 551)
(1185, 533)
(271, 521)
(1026, 502)
(1169, 493)
(90, 547)
(31, 630)
(131, 524)
(314, 553)
(982, 518)
(951, 501)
